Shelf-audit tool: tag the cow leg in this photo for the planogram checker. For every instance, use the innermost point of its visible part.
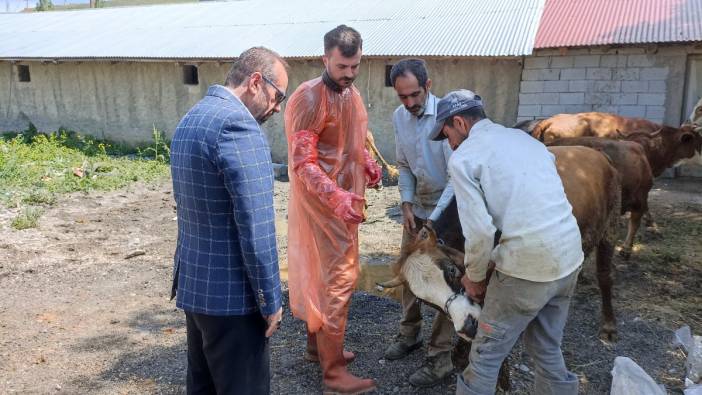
(605, 250)
(651, 225)
(634, 223)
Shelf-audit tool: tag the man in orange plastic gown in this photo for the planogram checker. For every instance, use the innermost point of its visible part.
(326, 125)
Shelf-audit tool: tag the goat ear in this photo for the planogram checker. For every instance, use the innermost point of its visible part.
(686, 138)
(456, 256)
(423, 233)
(427, 239)
(428, 235)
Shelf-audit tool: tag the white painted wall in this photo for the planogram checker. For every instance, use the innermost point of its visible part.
(122, 101)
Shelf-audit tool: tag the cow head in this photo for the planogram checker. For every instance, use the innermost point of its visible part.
(669, 146)
(683, 144)
(433, 272)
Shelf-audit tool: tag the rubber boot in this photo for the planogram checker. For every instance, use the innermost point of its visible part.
(338, 380)
(311, 351)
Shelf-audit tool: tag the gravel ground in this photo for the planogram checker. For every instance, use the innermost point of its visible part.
(77, 317)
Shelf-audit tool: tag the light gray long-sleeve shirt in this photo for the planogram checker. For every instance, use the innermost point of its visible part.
(422, 163)
(504, 179)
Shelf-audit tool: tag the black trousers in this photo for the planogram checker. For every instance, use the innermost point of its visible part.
(227, 355)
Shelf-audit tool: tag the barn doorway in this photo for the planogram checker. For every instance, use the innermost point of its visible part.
(694, 85)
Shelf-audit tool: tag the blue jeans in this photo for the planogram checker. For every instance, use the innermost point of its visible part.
(514, 306)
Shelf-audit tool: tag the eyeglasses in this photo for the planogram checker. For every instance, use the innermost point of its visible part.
(279, 95)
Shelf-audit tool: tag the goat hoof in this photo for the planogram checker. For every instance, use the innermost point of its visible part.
(460, 354)
(653, 231)
(608, 333)
(625, 253)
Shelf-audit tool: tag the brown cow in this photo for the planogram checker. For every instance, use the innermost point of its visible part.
(629, 158)
(597, 124)
(433, 271)
(527, 126)
(665, 145)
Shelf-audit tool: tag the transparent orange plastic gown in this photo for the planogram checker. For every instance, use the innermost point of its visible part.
(329, 170)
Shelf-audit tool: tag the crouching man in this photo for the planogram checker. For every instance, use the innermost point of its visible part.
(504, 179)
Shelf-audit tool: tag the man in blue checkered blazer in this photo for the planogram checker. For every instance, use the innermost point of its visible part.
(226, 263)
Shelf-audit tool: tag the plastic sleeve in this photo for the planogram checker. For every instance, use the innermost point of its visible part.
(373, 170)
(306, 167)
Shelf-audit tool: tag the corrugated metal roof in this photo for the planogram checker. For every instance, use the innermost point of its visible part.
(569, 23)
(294, 28)
(13, 5)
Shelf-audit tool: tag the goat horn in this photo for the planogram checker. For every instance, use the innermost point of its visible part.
(392, 283)
(656, 133)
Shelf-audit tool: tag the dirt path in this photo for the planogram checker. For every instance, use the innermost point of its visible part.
(77, 317)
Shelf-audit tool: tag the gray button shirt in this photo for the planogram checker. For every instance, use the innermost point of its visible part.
(422, 163)
(507, 180)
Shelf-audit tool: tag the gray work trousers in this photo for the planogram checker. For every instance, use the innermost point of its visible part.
(514, 306)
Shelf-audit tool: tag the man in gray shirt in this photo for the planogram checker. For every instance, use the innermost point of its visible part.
(425, 191)
(494, 171)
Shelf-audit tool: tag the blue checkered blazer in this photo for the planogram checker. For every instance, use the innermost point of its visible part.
(226, 261)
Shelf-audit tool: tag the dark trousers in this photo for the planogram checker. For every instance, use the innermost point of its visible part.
(227, 355)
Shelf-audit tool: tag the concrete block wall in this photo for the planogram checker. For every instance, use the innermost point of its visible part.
(644, 82)
(622, 83)
(629, 81)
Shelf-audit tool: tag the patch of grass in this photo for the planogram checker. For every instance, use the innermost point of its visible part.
(28, 218)
(39, 197)
(36, 167)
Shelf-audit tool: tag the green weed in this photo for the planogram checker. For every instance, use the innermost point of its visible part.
(36, 167)
(28, 218)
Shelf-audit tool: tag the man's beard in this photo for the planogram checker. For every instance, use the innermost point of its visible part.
(345, 81)
(263, 118)
(261, 115)
(417, 110)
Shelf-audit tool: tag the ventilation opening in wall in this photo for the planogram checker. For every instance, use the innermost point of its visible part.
(388, 68)
(23, 73)
(190, 76)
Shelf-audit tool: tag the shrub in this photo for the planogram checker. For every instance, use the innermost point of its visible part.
(28, 218)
